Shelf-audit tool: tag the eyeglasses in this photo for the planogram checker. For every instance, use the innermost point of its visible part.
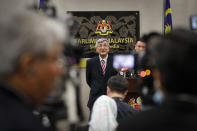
(104, 45)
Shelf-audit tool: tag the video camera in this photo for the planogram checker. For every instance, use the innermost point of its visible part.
(71, 48)
(139, 65)
(144, 68)
(134, 63)
(57, 105)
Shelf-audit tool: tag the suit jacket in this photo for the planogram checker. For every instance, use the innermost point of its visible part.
(16, 113)
(172, 115)
(95, 78)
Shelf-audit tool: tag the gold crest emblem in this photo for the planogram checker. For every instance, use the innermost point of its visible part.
(103, 28)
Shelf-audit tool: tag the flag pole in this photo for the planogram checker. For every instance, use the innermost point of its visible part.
(163, 17)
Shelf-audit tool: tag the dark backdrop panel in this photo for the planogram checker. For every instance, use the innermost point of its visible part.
(121, 28)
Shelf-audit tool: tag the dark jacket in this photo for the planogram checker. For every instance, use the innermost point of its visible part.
(173, 114)
(124, 109)
(95, 78)
(16, 113)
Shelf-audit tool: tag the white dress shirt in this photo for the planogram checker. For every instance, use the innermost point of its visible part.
(105, 59)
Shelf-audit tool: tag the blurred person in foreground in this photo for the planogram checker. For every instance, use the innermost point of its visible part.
(30, 48)
(174, 80)
(145, 87)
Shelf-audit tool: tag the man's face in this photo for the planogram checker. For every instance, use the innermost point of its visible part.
(140, 46)
(45, 73)
(102, 49)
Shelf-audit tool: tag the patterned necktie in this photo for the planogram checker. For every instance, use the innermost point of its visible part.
(103, 66)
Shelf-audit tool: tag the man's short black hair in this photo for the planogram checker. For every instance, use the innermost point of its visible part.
(118, 84)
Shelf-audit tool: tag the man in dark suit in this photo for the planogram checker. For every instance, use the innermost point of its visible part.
(175, 69)
(98, 70)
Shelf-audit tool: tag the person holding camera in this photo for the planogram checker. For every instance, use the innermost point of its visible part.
(138, 52)
(175, 69)
(31, 46)
(98, 70)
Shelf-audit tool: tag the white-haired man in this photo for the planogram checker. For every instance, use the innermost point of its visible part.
(98, 70)
(30, 48)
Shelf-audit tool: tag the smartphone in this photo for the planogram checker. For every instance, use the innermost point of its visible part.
(123, 61)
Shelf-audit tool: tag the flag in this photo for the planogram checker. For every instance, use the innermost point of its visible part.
(41, 6)
(167, 17)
